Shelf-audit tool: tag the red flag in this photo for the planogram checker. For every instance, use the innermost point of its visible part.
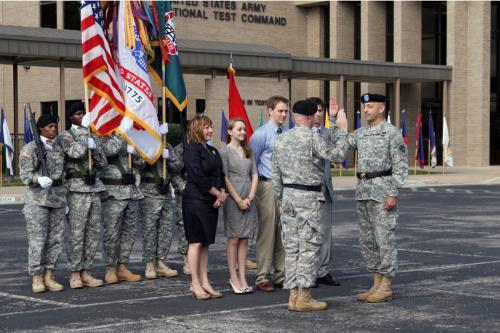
(419, 151)
(236, 107)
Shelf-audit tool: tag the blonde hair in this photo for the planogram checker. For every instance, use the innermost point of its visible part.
(246, 148)
(195, 128)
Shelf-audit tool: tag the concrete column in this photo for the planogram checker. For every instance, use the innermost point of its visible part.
(315, 48)
(15, 90)
(62, 97)
(60, 14)
(469, 28)
(373, 38)
(216, 100)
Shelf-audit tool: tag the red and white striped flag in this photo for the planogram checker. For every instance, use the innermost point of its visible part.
(99, 70)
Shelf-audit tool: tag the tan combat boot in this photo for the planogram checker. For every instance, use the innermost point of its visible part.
(89, 281)
(50, 283)
(75, 281)
(305, 302)
(150, 272)
(163, 270)
(124, 274)
(377, 278)
(110, 276)
(293, 299)
(383, 293)
(250, 265)
(37, 285)
(185, 269)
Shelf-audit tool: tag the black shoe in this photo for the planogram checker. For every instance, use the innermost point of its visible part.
(328, 280)
(315, 285)
(278, 285)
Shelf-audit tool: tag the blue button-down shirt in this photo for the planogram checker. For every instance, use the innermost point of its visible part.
(262, 143)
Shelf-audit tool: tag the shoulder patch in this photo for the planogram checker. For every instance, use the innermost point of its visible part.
(26, 153)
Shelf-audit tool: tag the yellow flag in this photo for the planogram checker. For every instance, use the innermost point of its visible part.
(327, 119)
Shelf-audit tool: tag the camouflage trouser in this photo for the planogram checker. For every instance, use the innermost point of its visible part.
(157, 216)
(84, 220)
(120, 218)
(183, 245)
(45, 237)
(377, 237)
(302, 238)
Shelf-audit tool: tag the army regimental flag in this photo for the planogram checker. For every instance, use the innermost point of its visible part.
(166, 51)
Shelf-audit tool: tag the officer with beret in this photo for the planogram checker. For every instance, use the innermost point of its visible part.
(84, 195)
(382, 171)
(298, 166)
(44, 204)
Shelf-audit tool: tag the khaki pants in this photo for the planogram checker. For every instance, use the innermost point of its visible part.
(269, 246)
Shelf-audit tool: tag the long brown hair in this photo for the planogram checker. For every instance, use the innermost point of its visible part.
(195, 128)
(244, 143)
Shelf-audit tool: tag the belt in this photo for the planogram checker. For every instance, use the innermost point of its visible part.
(370, 175)
(72, 175)
(311, 188)
(264, 179)
(151, 180)
(57, 182)
(111, 181)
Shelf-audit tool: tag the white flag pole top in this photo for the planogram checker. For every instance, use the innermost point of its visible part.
(139, 102)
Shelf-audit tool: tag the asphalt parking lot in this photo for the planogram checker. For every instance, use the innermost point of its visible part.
(448, 281)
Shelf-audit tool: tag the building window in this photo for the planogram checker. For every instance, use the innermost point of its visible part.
(495, 86)
(357, 30)
(48, 14)
(48, 107)
(434, 32)
(200, 106)
(389, 31)
(71, 15)
(173, 115)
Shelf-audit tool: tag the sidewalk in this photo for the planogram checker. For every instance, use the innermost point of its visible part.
(452, 176)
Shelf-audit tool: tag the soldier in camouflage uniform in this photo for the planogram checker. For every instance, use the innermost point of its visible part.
(179, 182)
(84, 201)
(382, 171)
(44, 205)
(298, 166)
(120, 211)
(157, 212)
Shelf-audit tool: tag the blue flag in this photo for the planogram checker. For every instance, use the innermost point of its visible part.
(223, 128)
(404, 131)
(291, 124)
(28, 137)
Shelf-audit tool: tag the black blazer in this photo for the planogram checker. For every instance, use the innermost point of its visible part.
(204, 171)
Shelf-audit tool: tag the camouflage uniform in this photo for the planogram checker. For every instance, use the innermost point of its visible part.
(120, 210)
(157, 210)
(84, 201)
(43, 208)
(179, 182)
(298, 159)
(380, 148)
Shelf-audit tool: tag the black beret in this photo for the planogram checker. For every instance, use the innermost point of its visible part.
(75, 107)
(47, 118)
(375, 98)
(304, 107)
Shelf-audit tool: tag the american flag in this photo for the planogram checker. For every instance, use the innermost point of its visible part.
(99, 70)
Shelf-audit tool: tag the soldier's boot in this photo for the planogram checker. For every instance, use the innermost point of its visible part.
(50, 283)
(37, 285)
(89, 281)
(377, 279)
(292, 301)
(110, 276)
(150, 272)
(75, 280)
(383, 293)
(306, 303)
(185, 269)
(162, 269)
(124, 274)
(250, 265)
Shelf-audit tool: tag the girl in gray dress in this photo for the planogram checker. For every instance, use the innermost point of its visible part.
(239, 211)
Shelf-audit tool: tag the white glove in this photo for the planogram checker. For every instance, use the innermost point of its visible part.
(130, 149)
(164, 128)
(86, 120)
(91, 143)
(45, 182)
(126, 124)
(66, 210)
(165, 154)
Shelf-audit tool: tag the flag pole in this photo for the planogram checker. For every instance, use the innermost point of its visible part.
(444, 157)
(87, 111)
(429, 156)
(1, 163)
(163, 118)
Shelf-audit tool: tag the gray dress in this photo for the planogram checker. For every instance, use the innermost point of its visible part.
(239, 170)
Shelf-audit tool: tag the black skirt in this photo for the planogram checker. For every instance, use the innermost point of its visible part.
(200, 219)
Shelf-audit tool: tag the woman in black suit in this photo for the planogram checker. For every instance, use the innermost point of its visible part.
(203, 195)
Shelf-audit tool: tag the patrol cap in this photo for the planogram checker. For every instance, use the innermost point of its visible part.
(374, 98)
(75, 107)
(45, 119)
(305, 107)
